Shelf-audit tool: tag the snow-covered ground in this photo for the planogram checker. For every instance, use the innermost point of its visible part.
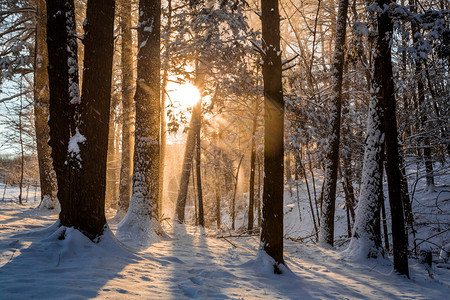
(34, 263)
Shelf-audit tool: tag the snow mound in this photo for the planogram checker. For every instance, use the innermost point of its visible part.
(264, 263)
(138, 231)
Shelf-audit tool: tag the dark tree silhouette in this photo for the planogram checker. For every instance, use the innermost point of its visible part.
(79, 127)
(272, 210)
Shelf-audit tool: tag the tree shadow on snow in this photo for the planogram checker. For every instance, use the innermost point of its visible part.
(198, 276)
(60, 263)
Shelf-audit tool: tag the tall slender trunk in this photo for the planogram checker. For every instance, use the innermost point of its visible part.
(251, 202)
(364, 242)
(165, 78)
(61, 46)
(386, 94)
(47, 176)
(22, 154)
(217, 195)
(385, 229)
(326, 233)
(426, 145)
(201, 216)
(142, 215)
(258, 192)
(111, 178)
(313, 215)
(272, 210)
(233, 201)
(127, 109)
(193, 131)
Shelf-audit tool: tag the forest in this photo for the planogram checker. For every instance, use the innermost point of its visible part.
(231, 149)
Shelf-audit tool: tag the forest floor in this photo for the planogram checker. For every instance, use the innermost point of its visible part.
(192, 263)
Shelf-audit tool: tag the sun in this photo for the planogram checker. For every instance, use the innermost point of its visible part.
(186, 95)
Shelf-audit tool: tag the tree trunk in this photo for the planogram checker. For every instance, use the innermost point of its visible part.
(364, 235)
(326, 233)
(127, 110)
(88, 182)
(143, 210)
(272, 209)
(22, 154)
(387, 96)
(111, 164)
(47, 176)
(288, 169)
(300, 164)
(201, 217)
(233, 202)
(385, 229)
(251, 202)
(165, 78)
(426, 146)
(187, 164)
(364, 242)
(80, 163)
(258, 191)
(60, 26)
(217, 195)
(191, 140)
(347, 171)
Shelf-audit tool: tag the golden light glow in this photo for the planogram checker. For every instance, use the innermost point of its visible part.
(186, 95)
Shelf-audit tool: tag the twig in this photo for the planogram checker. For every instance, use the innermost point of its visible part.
(228, 236)
(426, 240)
(229, 242)
(11, 256)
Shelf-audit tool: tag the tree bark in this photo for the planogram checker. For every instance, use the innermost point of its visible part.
(165, 78)
(386, 94)
(47, 176)
(251, 202)
(79, 129)
(111, 164)
(88, 182)
(201, 216)
(272, 209)
(60, 24)
(127, 109)
(426, 146)
(326, 233)
(364, 237)
(143, 211)
(385, 229)
(217, 196)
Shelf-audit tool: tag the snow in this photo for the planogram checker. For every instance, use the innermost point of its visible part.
(36, 263)
(74, 142)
